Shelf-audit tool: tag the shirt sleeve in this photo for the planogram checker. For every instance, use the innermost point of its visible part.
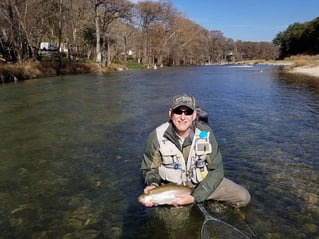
(151, 160)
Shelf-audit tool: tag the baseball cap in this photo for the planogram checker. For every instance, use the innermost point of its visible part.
(183, 100)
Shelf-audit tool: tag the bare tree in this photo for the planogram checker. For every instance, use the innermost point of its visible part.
(13, 31)
(149, 14)
(216, 42)
(189, 36)
(28, 22)
(107, 11)
(256, 50)
(157, 33)
(162, 32)
(78, 19)
(123, 33)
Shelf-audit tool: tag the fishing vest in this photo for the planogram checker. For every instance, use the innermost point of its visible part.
(173, 167)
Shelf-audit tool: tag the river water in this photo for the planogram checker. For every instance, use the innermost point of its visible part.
(71, 147)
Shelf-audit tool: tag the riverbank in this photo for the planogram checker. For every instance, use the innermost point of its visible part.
(36, 69)
(304, 65)
(300, 64)
(306, 70)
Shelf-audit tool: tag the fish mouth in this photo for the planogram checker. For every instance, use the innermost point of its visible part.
(140, 198)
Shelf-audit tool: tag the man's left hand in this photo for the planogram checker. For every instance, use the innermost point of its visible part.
(183, 199)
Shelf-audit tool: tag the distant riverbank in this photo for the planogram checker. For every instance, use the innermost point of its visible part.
(36, 69)
(306, 70)
(301, 64)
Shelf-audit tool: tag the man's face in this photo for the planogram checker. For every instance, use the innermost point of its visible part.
(182, 118)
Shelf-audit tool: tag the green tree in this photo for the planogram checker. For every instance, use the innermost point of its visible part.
(299, 38)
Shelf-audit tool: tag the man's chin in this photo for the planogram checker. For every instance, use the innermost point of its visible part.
(182, 128)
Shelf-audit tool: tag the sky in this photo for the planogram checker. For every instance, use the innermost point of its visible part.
(247, 20)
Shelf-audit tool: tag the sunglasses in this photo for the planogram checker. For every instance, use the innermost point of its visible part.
(178, 111)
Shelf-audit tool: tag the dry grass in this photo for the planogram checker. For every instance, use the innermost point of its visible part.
(303, 60)
(14, 73)
(292, 61)
(28, 70)
(31, 69)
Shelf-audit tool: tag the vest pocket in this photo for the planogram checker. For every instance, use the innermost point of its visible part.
(199, 174)
(170, 174)
(169, 160)
(171, 169)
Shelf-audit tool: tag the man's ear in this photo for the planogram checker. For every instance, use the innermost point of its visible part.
(194, 115)
(170, 113)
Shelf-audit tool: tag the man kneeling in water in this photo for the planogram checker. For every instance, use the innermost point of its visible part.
(184, 151)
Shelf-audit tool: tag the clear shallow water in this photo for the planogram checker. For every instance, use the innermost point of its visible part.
(70, 152)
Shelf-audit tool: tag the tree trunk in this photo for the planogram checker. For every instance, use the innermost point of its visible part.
(108, 53)
(98, 35)
(124, 48)
(16, 36)
(60, 38)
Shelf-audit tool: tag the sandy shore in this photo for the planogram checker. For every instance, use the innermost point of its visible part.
(310, 65)
(306, 70)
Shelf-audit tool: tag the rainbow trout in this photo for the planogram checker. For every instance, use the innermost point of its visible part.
(164, 194)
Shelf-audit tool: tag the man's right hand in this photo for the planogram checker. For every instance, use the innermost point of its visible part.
(146, 190)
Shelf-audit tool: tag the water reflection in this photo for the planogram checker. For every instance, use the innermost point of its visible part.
(70, 152)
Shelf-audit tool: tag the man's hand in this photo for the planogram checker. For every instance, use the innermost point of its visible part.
(146, 190)
(183, 199)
